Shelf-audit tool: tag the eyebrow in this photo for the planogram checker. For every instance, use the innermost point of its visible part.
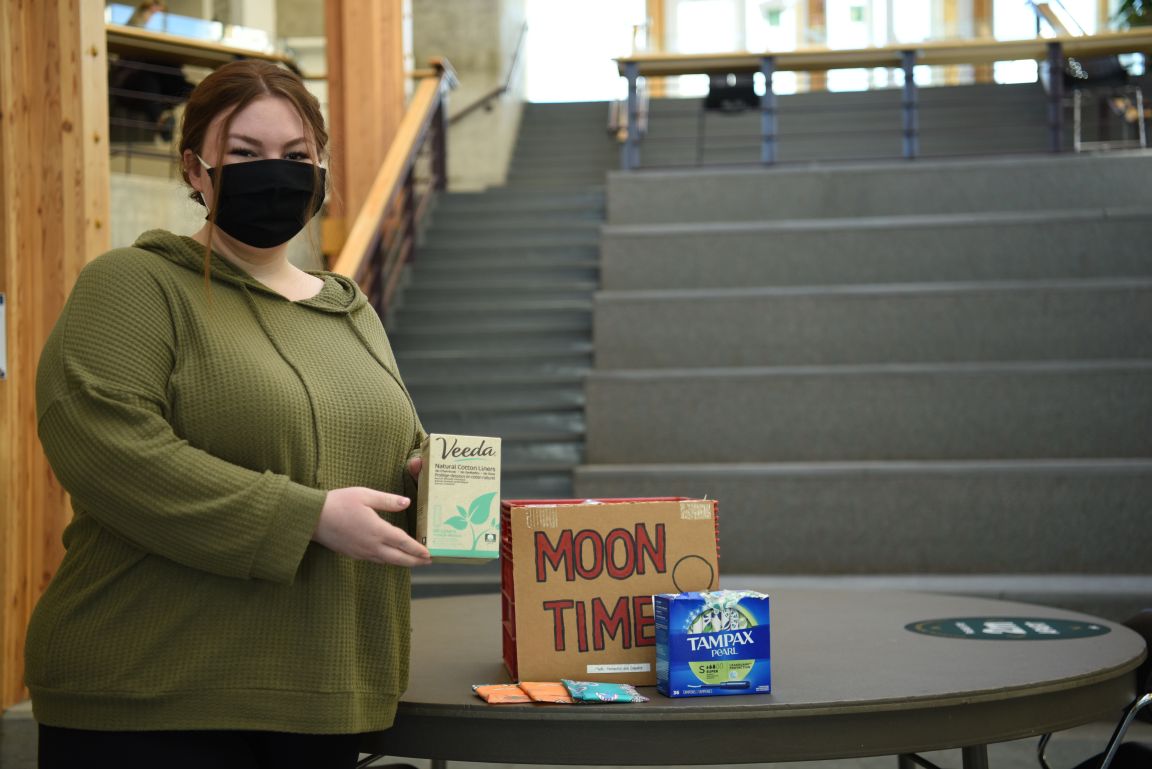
(254, 141)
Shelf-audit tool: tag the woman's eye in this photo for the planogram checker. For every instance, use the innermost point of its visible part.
(242, 152)
(298, 156)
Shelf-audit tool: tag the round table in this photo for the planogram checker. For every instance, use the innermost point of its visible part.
(848, 678)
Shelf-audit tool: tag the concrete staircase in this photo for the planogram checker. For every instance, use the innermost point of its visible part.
(932, 375)
(494, 332)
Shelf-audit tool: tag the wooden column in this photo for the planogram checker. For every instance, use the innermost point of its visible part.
(657, 41)
(366, 98)
(54, 173)
(982, 28)
(951, 18)
(817, 16)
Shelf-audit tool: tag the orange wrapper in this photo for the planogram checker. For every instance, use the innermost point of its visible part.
(501, 694)
(547, 691)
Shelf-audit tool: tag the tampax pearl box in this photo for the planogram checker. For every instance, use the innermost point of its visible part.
(713, 643)
(458, 500)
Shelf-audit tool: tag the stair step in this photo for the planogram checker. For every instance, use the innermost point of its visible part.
(1054, 410)
(589, 194)
(518, 218)
(1060, 243)
(487, 392)
(567, 360)
(527, 254)
(523, 427)
(564, 332)
(912, 322)
(433, 292)
(495, 272)
(834, 191)
(919, 516)
(487, 224)
(496, 315)
(512, 239)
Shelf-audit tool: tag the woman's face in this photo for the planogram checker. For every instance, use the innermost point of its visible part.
(269, 128)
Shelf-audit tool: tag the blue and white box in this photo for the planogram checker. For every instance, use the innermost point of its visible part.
(713, 643)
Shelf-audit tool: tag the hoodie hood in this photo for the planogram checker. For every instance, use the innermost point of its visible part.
(339, 294)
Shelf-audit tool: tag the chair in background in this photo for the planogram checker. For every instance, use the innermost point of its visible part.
(1119, 754)
(729, 93)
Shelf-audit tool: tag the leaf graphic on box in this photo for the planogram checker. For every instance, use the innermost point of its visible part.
(457, 522)
(481, 507)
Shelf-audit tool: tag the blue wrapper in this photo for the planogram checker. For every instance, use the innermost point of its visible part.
(714, 643)
(595, 691)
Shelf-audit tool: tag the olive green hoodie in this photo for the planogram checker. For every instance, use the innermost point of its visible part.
(197, 428)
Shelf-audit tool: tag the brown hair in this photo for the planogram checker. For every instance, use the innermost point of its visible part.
(227, 91)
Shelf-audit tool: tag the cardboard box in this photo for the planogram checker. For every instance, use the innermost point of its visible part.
(578, 576)
(715, 643)
(456, 513)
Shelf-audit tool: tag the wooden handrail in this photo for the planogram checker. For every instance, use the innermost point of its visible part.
(1044, 11)
(974, 51)
(386, 222)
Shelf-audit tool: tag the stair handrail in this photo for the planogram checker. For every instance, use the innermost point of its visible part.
(485, 100)
(907, 56)
(383, 236)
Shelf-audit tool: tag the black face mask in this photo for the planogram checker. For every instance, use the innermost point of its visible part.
(264, 203)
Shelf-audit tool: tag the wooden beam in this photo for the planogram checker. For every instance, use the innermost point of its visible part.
(657, 40)
(53, 218)
(935, 52)
(982, 28)
(951, 17)
(177, 50)
(366, 95)
(817, 19)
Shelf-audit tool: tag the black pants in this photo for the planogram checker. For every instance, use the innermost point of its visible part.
(69, 748)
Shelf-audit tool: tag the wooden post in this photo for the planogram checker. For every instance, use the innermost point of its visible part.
(657, 32)
(951, 31)
(54, 176)
(818, 24)
(982, 27)
(365, 100)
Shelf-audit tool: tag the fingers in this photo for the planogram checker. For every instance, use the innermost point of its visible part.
(415, 464)
(383, 501)
(396, 546)
(402, 550)
(350, 524)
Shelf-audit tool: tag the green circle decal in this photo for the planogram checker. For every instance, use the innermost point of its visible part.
(1008, 628)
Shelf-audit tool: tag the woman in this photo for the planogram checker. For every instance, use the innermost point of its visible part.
(234, 435)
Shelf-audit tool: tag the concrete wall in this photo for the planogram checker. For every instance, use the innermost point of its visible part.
(479, 38)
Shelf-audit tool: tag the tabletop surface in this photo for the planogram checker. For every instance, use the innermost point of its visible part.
(848, 679)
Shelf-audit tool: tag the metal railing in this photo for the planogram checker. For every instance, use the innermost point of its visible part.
(906, 57)
(485, 101)
(383, 236)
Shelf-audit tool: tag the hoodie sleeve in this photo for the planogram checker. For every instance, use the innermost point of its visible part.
(102, 418)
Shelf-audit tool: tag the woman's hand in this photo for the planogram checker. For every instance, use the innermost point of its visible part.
(415, 464)
(349, 525)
